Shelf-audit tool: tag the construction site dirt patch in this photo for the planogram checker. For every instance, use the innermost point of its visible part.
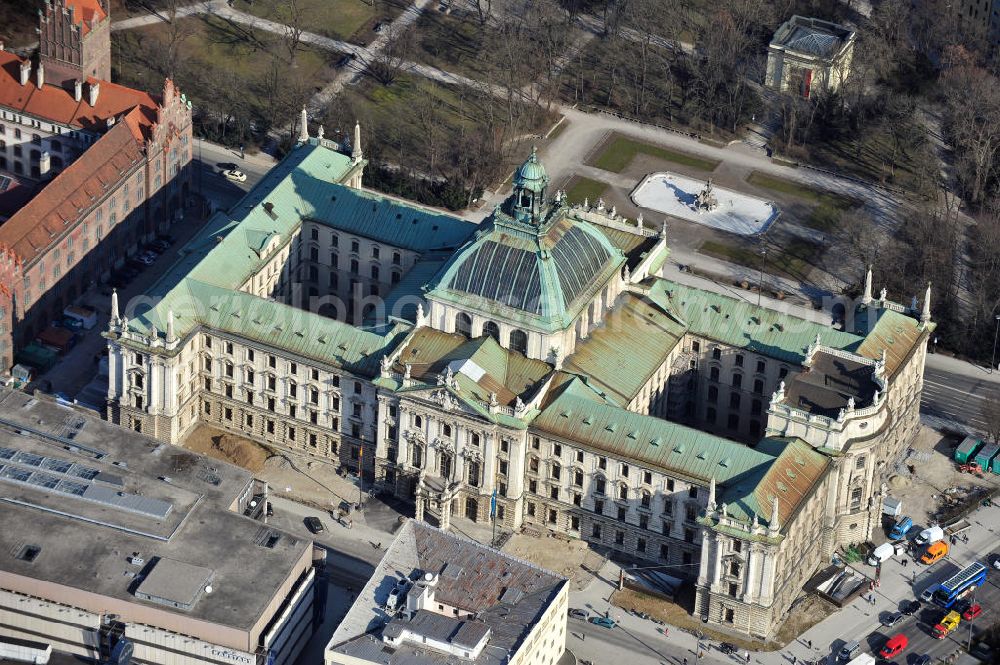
(678, 615)
(228, 448)
(804, 615)
(567, 556)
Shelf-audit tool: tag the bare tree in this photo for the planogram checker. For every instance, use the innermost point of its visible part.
(484, 10)
(292, 15)
(972, 121)
(386, 64)
(178, 31)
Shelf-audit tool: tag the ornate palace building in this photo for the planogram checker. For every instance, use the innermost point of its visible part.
(539, 356)
(89, 169)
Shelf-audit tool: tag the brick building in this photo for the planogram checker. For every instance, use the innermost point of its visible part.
(104, 167)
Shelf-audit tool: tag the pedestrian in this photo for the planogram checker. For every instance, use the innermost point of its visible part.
(748, 657)
(794, 659)
(583, 637)
(685, 661)
(809, 643)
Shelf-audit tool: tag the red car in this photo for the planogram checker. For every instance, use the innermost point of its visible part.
(972, 612)
(894, 646)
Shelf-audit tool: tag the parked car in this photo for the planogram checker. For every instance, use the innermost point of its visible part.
(972, 612)
(894, 646)
(996, 562)
(379, 27)
(146, 259)
(577, 613)
(922, 660)
(233, 174)
(891, 620)
(911, 607)
(602, 621)
(728, 648)
(313, 524)
(159, 245)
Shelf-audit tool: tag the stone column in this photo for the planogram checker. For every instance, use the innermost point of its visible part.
(445, 511)
(419, 509)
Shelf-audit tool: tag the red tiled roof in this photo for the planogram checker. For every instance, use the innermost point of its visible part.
(57, 104)
(87, 11)
(33, 228)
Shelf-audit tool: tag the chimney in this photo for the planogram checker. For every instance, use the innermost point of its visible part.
(78, 90)
(25, 72)
(95, 90)
(40, 75)
(44, 163)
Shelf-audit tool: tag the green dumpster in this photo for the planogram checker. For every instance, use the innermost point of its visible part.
(967, 449)
(986, 455)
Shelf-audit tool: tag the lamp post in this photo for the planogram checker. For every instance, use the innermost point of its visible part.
(993, 363)
(760, 282)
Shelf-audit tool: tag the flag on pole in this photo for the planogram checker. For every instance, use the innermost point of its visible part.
(493, 504)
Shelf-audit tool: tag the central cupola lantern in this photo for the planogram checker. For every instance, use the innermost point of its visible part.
(530, 183)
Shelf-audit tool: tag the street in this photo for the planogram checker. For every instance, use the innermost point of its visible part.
(210, 160)
(957, 397)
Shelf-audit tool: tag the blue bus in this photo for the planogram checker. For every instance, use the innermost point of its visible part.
(960, 585)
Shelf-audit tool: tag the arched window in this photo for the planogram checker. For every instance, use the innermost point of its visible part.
(599, 485)
(492, 329)
(417, 458)
(713, 373)
(645, 499)
(55, 145)
(519, 341)
(446, 429)
(463, 324)
(418, 421)
(623, 492)
(533, 465)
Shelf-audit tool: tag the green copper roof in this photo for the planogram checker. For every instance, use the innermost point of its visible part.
(536, 276)
(195, 303)
(620, 356)
(742, 324)
(531, 175)
(646, 439)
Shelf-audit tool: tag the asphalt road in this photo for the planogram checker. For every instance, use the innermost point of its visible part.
(957, 398)
(918, 627)
(210, 160)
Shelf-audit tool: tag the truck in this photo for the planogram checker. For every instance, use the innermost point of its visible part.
(884, 552)
(24, 651)
(948, 623)
(900, 528)
(863, 659)
(931, 534)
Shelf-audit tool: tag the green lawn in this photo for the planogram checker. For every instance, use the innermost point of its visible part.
(794, 260)
(340, 19)
(827, 208)
(581, 188)
(619, 152)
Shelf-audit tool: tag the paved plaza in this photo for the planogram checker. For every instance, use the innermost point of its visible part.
(677, 196)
